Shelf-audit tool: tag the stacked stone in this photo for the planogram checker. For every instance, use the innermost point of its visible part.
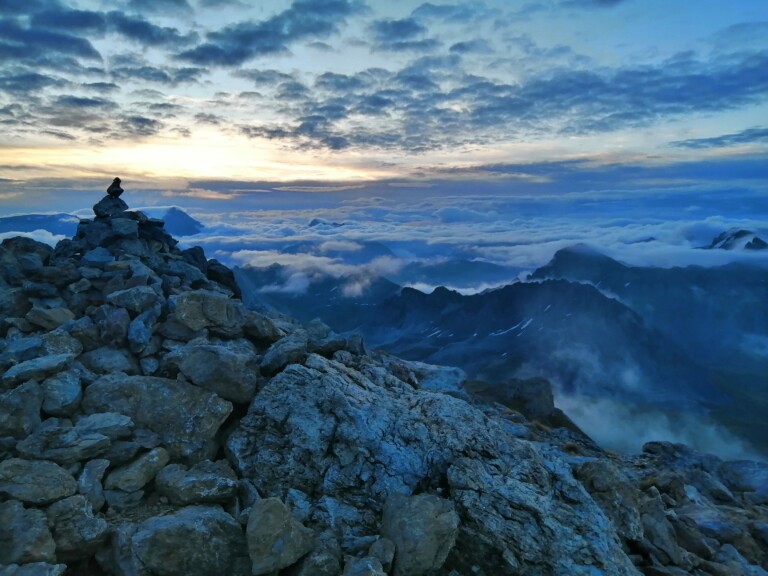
(152, 425)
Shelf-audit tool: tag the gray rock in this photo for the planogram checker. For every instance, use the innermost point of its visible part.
(113, 325)
(363, 567)
(261, 329)
(49, 318)
(383, 550)
(97, 258)
(20, 410)
(21, 350)
(750, 478)
(122, 452)
(34, 569)
(62, 393)
(110, 207)
(288, 350)
(125, 227)
(110, 424)
(200, 309)
(60, 442)
(136, 299)
(615, 494)
(275, 539)
(77, 532)
(35, 482)
(120, 501)
(185, 417)
(37, 369)
(142, 328)
(351, 437)
(423, 529)
(24, 535)
(324, 560)
(137, 474)
(206, 482)
(229, 368)
(89, 483)
(60, 341)
(110, 360)
(195, 541)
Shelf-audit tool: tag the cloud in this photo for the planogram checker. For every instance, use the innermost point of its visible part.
(478, 46)
(146, 33)
(757, 135)
(26, 82)
(83, 21)
(39, 235)
(167, 6)
(32, 43)
(592, 3)
(405, 34)
(455, 13)
(137, 126)
(615, 426)
(167, 75)
(303, 20)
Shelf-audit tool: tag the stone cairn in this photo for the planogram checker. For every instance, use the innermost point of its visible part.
(152, 425)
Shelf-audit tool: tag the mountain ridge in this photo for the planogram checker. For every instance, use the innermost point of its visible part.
(152, 424)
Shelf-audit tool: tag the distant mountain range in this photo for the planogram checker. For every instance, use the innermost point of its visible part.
(688, 340)
(177, 222)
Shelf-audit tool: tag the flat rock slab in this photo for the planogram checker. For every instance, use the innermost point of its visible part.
(37, 368)
(35, 482)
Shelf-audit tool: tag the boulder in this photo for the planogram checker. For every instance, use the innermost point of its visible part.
(206, 482)
(62, 393)
(423, 529)
(20, 350)
(49, 318)
(113, 325)
(228, 368)
(200, 309)
(363, 567)
(89, 483)
(287, 350)
(110, 424)
(142, 328)
(194, 541)
(352, 437)
(60, 442)
(20, 410)
(110, 207)
(275, 539)
(261, 329)
(97, 258)
(36, 369)
(107, 360)
(137, 474)
(33, 569)
(77, 532)
(24, 535)
(185, 417)
(125, 227)
(135, 299)
(35, 482)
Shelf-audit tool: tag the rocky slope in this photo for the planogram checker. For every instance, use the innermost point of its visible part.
(151, 425)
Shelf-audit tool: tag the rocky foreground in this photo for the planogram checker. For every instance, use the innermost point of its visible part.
(150, 425)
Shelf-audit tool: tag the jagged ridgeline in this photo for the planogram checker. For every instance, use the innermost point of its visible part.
(151, 425)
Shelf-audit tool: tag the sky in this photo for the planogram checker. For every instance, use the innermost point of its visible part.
(213, 104)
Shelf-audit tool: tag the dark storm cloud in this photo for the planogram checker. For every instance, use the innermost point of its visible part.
(29, 43)
(144, 32)
(757, 135)
(169, 76)
(304, 20)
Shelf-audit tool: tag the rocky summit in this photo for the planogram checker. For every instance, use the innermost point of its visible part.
(151, 425)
